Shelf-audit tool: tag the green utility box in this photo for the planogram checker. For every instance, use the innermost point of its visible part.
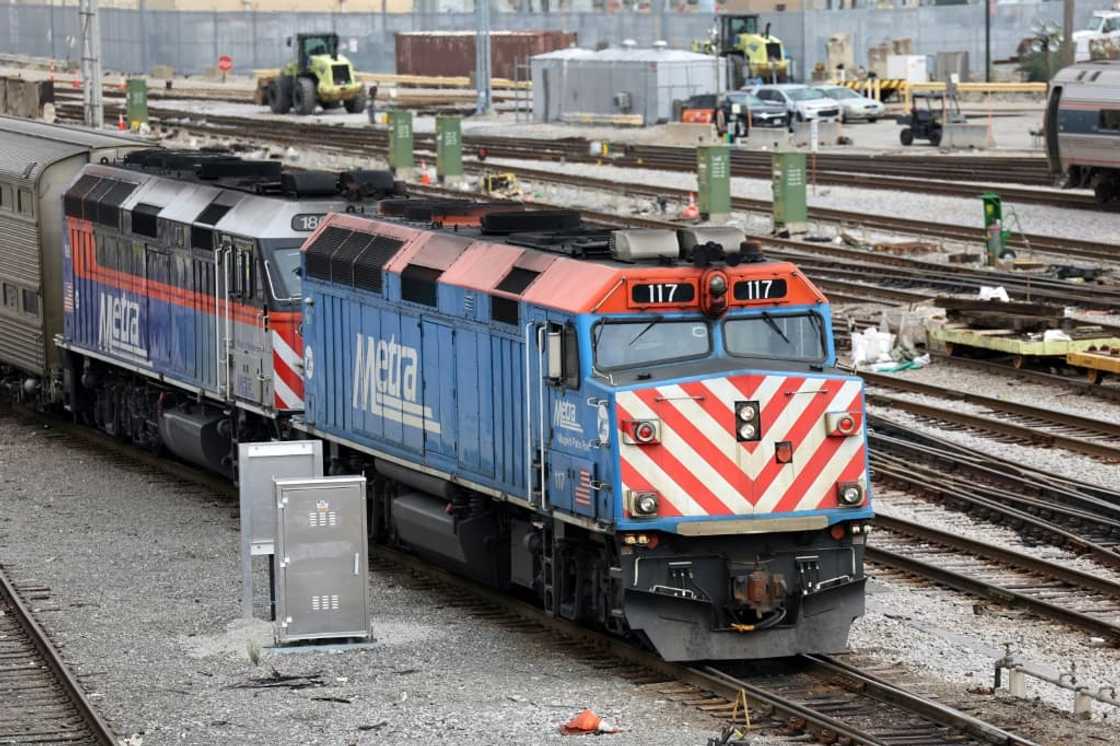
(713, 174)
(136, 102)
(449, 147)
(995, 236)
(791, 212)
(400, 140)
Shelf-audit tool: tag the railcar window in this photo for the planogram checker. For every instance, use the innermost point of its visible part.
(571, 357)
(5, 197)
(283, 273)
(625, 344)
(768, 335)
(31, 302)
(1110, 119)
(26, 203)
(11, 297)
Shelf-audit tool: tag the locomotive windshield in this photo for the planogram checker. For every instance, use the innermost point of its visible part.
(284, 274)
(624, 344)
(799, 337)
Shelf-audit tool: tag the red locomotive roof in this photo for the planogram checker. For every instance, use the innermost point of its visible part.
(573, 285)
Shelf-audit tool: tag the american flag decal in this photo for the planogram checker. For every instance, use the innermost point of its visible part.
(583, 487)
(699, 468)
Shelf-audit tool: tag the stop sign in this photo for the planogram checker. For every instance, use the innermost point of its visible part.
(225, 63)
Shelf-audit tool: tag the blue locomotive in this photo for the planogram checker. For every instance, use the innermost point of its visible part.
(643, 429)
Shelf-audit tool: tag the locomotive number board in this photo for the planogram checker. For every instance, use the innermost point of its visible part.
(307, 221)
(750, 290)
(662, 293)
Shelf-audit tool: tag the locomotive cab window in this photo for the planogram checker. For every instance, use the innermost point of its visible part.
(1110, 119)
(570, 365)
(283, 273)
(6, 198)
(630, 343)
(784, 337)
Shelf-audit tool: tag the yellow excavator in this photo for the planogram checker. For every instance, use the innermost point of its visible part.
(750, 54)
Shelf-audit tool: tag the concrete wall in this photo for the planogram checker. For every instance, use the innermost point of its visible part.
(191, 41)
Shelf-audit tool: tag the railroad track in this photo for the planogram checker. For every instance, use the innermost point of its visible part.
(820, 697)
(1041, 507)
(1022, 423)
(824, 698)
(1047, 589)
(42, 700)
(371, 141)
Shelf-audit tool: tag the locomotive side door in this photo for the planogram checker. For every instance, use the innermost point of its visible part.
(246, 346)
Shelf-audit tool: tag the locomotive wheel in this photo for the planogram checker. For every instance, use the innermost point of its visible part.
(1094, 376)
(906, 136)
(304, 96)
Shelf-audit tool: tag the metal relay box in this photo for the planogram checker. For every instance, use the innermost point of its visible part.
(322, 561)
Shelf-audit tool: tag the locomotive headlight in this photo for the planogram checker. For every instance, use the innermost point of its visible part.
(644, 503)
(849, 493)
(643, 432)
(717, 286)
(748, 416)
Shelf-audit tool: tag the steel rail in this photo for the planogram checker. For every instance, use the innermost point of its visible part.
(1030, 435)
(931, 709)
(983, 589)
(923, 481)
(1001, 555)
(97, 730)
(721, 684)
(350, 140)
(1092, 425)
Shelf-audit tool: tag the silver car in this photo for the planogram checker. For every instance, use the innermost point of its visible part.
(801, 101)
(852, 105)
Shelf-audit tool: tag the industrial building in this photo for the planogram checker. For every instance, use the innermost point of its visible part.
(619, 82)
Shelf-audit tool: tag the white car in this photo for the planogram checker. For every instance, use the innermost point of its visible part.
(852, 105)
(1104, 25)
(801, 101)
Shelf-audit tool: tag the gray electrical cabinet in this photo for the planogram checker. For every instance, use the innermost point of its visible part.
(322, 583)
(259, 464)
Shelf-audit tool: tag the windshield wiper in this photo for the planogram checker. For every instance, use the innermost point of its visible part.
(645, 329)
(774, 325)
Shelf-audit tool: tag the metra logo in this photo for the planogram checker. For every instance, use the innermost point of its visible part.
(564, 416)
(119, 329)
(385, 383)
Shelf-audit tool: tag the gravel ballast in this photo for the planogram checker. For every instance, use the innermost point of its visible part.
(144, 585)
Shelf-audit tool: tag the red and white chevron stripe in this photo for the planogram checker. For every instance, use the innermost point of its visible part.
(287, 367)
(699, 468)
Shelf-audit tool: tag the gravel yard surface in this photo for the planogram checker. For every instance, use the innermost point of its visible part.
(143, 572)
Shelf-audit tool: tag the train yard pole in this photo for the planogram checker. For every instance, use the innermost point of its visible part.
(482, 58)
(91, 63)
(1068, 51)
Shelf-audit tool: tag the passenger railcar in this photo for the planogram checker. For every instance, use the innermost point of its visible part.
(37, 162)
(643, 429)
(181, 295)
(1083, 128)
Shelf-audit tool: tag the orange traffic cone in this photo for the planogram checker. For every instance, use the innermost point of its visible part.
(121, 123)
(425, 177)
(691, 211)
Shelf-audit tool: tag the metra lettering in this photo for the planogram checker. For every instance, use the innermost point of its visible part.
(119, 329)
(385, 379)
(564, 416)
